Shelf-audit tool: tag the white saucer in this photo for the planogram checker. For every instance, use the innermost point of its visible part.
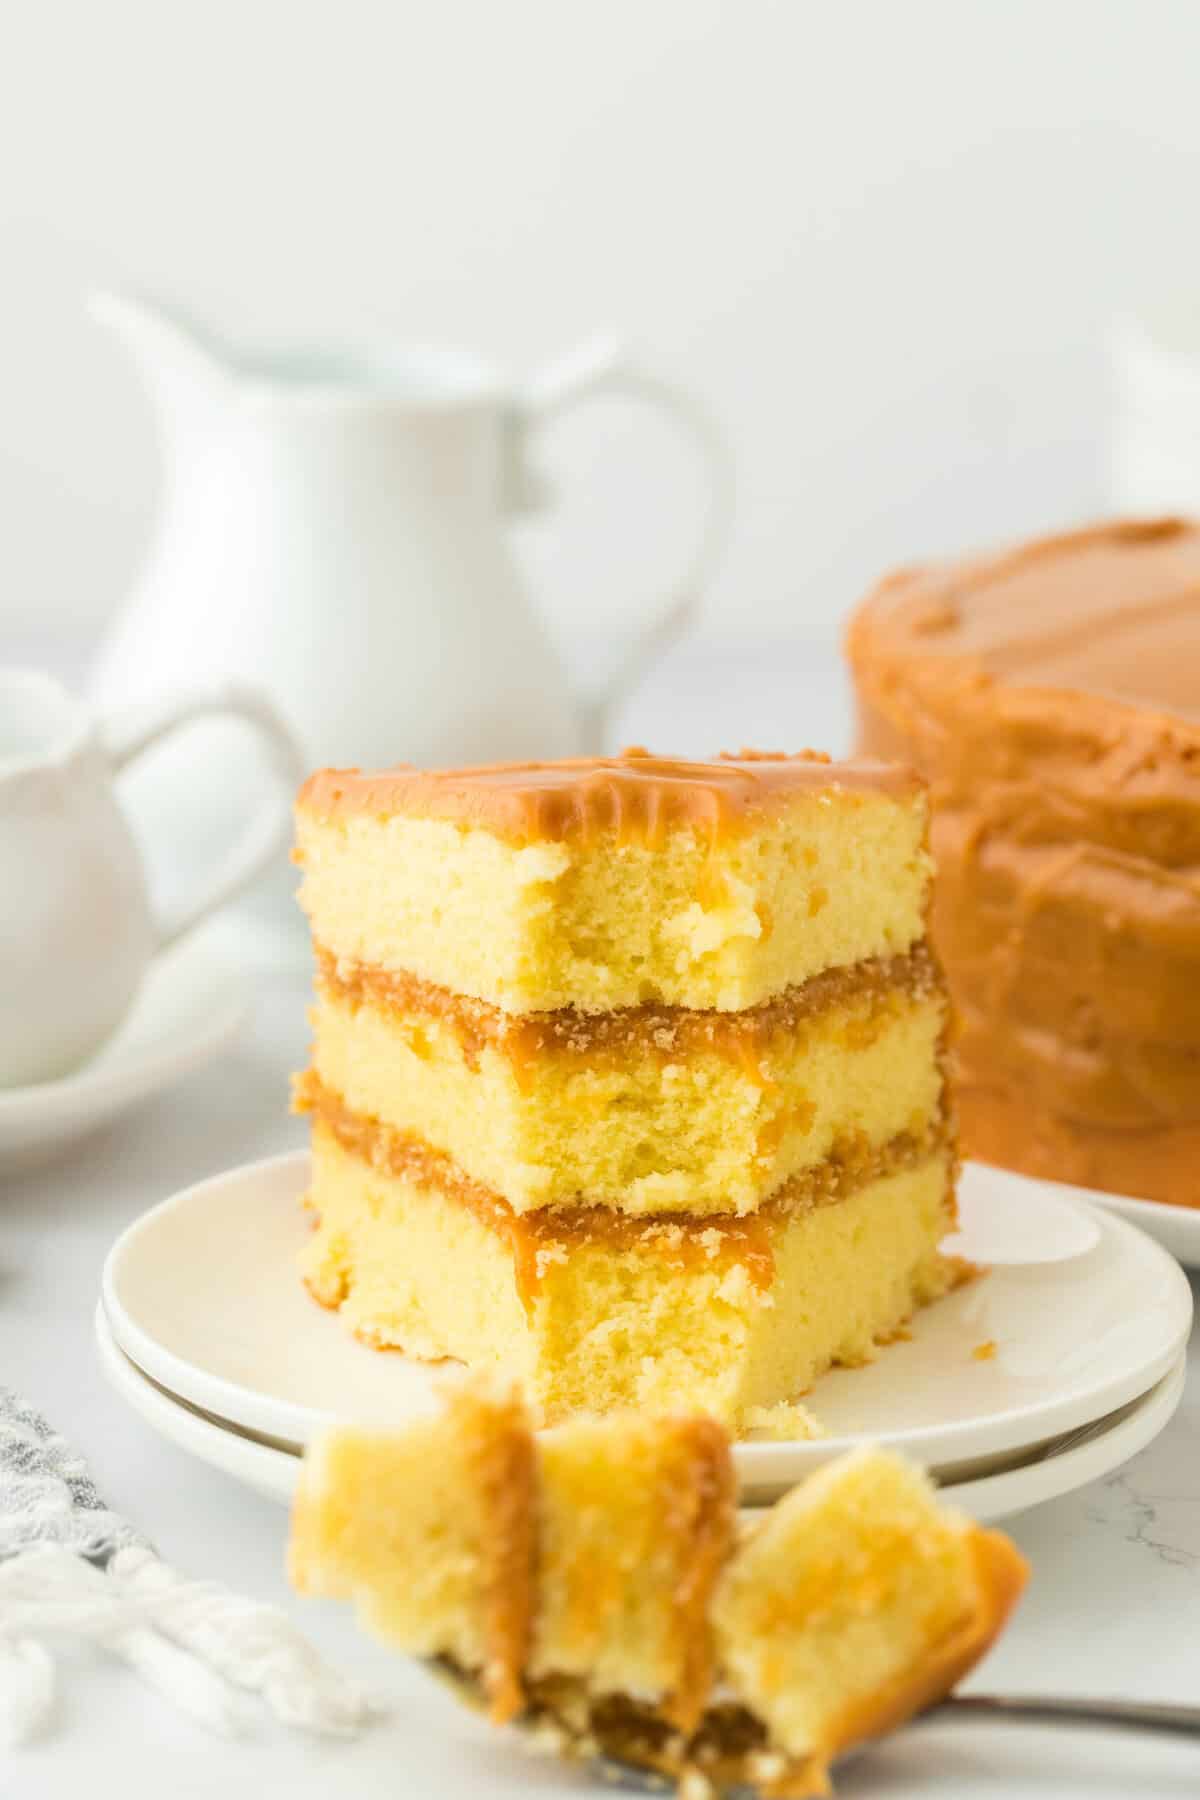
(190, 1006)
(268, 1469)
(203, 1296)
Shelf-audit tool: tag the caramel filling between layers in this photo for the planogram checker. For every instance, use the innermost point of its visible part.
(670, 1032)
(538, 1239)
(637, 797)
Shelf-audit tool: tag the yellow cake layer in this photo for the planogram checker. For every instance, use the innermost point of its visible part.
(690, 1127)
(608, 1312)
(827, 880)
(446, 1569)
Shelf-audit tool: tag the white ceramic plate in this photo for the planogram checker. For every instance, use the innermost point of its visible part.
(190, 1006)
(1085, 1314)
(1176, 1228)
(1082, 1457)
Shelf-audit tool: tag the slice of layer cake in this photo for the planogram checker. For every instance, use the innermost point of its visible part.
(654, 1630)
(627, 1075)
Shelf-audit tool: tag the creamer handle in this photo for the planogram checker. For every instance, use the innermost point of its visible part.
(265, 833)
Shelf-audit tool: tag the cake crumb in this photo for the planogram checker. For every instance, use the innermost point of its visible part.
(783, 1422)
(984, 1352)
(767, 1765)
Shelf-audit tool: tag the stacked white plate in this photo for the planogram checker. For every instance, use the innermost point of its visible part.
(1053, 1368)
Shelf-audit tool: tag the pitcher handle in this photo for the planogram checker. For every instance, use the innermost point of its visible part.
(606, 367)
(264, 835)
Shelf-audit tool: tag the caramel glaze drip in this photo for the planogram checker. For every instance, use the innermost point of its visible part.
(505, 1470)
(633, 797)
(537, 1239)
(670, 1032)
(699, 1519)
(1052, 699)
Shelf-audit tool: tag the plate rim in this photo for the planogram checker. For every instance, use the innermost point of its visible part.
(1152, 1217)
(1167, 1225)
(988, 1497)
(1160, 1403)
(773, 1462)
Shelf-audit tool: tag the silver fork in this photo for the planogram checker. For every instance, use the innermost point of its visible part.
(1137, 1715)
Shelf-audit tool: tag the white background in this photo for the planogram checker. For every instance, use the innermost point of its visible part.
(882, 240)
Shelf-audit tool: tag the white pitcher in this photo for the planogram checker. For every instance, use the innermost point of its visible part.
(333, 531)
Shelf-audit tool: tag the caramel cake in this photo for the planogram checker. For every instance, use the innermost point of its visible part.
(627, 1074)
(1051, 695)
(595, 1585)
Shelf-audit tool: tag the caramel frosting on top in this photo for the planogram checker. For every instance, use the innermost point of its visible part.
(1051, 695)
(1112, 609)
(635, 795)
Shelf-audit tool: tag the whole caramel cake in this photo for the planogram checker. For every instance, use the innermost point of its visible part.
(1051, 695)
(627, 1075)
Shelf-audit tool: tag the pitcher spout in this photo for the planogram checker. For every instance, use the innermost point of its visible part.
(186, 367)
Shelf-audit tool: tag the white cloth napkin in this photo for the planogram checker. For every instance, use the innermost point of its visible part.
(71, 1567)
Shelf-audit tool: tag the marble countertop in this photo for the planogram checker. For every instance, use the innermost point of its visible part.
(1114, 1606)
